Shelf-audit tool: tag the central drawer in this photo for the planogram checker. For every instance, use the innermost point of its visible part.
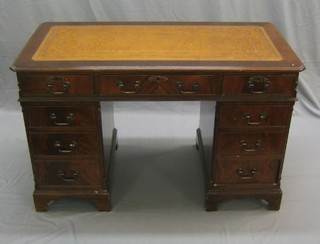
(65, 144)
(158, 85)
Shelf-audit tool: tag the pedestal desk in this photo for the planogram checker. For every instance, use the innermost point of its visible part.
(244, 74)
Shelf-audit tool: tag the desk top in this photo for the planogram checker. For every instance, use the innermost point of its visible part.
(161, 42)
(157, 46)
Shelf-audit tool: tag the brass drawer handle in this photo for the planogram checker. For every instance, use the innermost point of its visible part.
(262, 119)
(195, 87)
(258, 84)
(247, 176)
(244, 146)
(68, 119)
(137, 86)
(66, 178)
(58, 146)
(57, 79)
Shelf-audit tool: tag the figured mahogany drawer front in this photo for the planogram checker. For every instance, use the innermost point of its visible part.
(247, 170)
(158, 85)
(280, 85)
(61, 117)
(68, 144)
(251, 143)
(255, 115)
(68, 173)
(56, 85)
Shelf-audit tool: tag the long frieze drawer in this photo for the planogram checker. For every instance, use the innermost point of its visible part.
(251, 143)
(247, 170)
(68, 173)
(158, 85)
(281, 85)
(61, 117)
(255, 115)
(55, 85)
(67, 144)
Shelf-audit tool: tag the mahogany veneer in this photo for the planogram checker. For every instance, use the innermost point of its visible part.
(244, 74)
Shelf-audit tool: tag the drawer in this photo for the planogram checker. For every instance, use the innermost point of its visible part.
(55, 85)
(61, 116)
(66, 144)
(280, 85)
(255, 115)
(251, 143)
(158, 85)
(68, 173)
(247, 170)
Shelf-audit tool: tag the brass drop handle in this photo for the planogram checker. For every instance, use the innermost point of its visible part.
(121, 86)
(258, 84)
(72, 145)
(246, 176)
(244, 146)
(195, 87)
(65, 86)
(66, 178)
(262, 118)
(54, 118)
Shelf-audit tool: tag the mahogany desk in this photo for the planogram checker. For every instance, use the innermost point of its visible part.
(245, 75)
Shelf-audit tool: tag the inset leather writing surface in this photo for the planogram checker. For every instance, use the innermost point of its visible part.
(159, 42)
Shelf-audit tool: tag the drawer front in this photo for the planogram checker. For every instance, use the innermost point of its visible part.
(68, 173)
(251, 143)
(67, 144)
(280, 85)
(255, 115)
(61, 117)
(55, 85)
(158, 85)
(247, 170)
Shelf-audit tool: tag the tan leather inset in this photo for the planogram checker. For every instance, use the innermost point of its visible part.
(157, 42)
